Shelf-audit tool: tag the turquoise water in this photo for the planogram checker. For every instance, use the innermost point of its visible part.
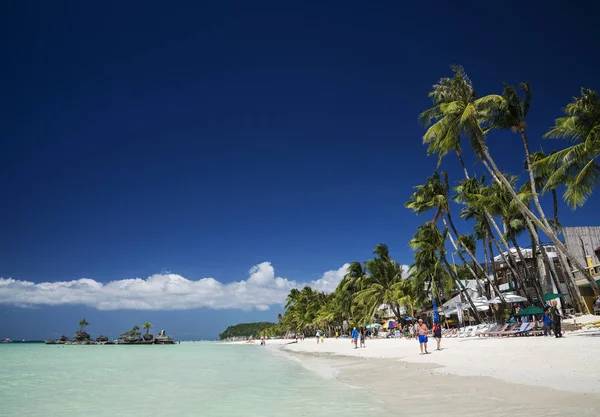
(190, 379)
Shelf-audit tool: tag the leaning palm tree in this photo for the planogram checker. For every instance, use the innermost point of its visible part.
(147, 326)
(83, 323)
(455, 104)
(457, 111)
(577, 166)
(429, 243)
(435, 195)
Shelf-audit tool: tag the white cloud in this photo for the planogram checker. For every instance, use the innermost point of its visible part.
(165, 291)
(405, 271)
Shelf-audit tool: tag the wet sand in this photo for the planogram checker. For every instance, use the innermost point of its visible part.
(409, 389)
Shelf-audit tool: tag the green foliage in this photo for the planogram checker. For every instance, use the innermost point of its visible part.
(246, 330)
(577, 166)
(147, 326)
(83, 323)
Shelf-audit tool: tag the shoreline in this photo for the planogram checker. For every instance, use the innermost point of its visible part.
(567, 364)
(427, 388)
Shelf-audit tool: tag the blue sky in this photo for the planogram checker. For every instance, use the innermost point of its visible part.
(205, 139)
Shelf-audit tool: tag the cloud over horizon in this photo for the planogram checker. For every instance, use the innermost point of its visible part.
(165, 291)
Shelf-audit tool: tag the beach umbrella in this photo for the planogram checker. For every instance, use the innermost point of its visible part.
(510, 298)
(548, 297)
(390, 324)
(408, 318)
(529, 311)
(374, 326)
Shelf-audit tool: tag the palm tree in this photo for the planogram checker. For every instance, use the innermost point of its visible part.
(577, 166)
(83, 323)
(382, 284)
(434, 195)
(429, 243)
(455, 105)
(147, 326)
(457, 111)
(498, 202)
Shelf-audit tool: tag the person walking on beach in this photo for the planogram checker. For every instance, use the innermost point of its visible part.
(422, 331)
(556, 320)
(546, 321)
(318, 336)
(437, 334)
(355, 338)
(362, 338)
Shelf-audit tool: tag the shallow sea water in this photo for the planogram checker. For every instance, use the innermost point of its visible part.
(190, 379)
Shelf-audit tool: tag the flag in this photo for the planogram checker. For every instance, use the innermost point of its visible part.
(436, 315)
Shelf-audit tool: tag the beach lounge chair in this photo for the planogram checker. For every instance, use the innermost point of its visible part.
(532, 331)
(501, 330)
(481, 329)
(516, 330)
(458, 332)
(465, 332)
(491, 328)
(473, 331)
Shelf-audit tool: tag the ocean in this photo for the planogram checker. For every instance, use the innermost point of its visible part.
(190, 379)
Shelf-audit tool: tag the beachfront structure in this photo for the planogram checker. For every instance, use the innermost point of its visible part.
(584, 243)
(507, 282)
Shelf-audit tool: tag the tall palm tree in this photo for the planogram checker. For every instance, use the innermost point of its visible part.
(147, 326)
(499, 202)
(381, 285)
(458, 112)
(540, 181)
(434, 194)
(429, 242)
(577, 166)
(455, 105)
(83, 323)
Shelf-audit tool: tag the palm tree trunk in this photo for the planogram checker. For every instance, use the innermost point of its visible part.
(471, 254)
(486, 266)
(461, 256)
(462, 163)
(572, 287)
(527, 273)
(491, 254)
(555, 203)
(511, 262)
(536, 270)
(461, 287)
(543, 225)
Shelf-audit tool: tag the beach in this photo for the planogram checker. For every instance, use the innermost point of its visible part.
(472, 376)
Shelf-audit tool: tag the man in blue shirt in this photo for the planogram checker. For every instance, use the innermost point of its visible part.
(355, 337)
(547, 322)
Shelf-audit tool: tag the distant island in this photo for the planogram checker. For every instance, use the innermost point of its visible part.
(131, 337)
(245, 330)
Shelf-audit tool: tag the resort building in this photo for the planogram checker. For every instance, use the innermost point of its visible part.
(584, 244)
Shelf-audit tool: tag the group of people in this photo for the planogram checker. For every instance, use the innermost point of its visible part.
(422, 333)
(359, 334)
(551, 320)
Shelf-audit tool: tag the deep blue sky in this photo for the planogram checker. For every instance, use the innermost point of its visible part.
(207, 137)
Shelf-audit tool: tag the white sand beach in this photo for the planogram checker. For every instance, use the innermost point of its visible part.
(567, 364)
(519, 376)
